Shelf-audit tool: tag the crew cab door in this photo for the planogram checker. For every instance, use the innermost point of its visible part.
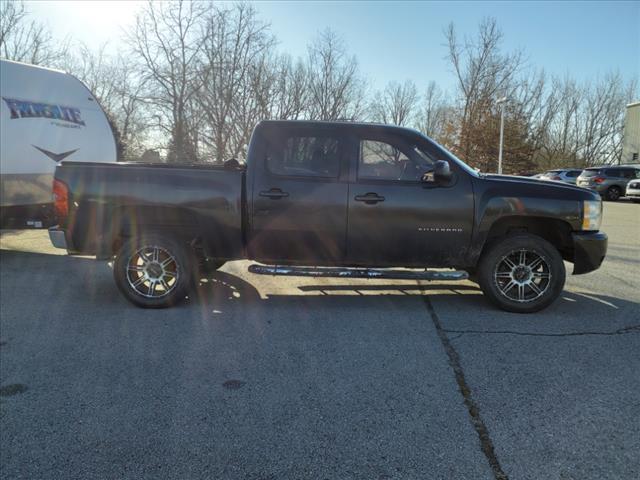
(395, 218)
(299, 197)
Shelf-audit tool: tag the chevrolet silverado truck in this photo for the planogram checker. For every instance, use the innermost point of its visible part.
(329, 199)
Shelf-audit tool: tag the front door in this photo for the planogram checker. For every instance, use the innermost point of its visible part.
(299, 201)
(396, 219)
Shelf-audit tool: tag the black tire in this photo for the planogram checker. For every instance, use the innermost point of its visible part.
(613, 193)
(137, 269)
(498, 278)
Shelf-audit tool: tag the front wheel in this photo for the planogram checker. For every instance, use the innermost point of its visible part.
(522, 273)
(153, 271)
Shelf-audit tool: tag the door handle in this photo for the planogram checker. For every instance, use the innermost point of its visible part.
(274, 194)
(370, 198)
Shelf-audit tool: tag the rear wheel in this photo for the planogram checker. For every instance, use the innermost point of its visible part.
(153, 271)
(614, 193)
(523, 273)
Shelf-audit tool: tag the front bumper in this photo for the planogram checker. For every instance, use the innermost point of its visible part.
(58, 238)
(633, 193)
(589, 250)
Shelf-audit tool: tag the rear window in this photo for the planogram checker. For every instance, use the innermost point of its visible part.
(574, 173)
(591, 173)
(305, 156)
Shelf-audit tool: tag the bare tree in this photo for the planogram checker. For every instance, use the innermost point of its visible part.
(234, 77)
(436, 114)
(27, 41)
(165, 39)
(396, 104)
(118, 88)
(336, 88)
(587, 127)
(483, 73)
(289, 93)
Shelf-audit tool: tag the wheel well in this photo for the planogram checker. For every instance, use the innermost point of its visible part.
(556, 232)
(127, 223)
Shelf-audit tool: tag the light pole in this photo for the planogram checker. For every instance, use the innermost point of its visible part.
(501, 102)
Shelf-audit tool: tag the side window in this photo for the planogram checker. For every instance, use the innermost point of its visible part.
(628, 173)
(637, 174)
(384, 161)
(613, 173)
(305, 156)
(574, 173)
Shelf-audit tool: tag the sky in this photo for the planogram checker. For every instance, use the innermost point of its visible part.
(405, 40)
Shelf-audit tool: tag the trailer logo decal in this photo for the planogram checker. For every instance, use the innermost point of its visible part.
(28, 109)
(56, 157)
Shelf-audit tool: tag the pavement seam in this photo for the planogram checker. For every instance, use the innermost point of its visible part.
(620, 331)
(486, 444)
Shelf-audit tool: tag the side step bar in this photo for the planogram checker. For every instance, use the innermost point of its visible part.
(357, 273)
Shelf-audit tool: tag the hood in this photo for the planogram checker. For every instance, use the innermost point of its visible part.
(552, 187)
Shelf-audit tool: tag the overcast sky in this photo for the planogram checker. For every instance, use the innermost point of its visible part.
(404, 40)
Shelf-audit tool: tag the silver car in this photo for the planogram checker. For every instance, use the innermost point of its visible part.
(633, 190)
(562, 175)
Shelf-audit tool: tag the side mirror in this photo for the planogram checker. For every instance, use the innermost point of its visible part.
(440, 175)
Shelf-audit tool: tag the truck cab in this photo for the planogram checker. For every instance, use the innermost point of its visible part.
(333, 193)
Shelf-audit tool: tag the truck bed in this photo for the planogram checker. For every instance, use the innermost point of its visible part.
(107, 200)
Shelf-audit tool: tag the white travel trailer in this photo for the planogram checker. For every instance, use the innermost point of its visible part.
(46, 116)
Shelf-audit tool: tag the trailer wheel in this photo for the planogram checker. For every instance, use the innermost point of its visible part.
(522, 273)
(153, 271)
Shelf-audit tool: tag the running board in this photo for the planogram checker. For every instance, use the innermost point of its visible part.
(357, 273)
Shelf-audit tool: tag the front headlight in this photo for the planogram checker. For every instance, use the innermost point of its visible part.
(591, 214)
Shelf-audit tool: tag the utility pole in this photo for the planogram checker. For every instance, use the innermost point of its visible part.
(501, 102)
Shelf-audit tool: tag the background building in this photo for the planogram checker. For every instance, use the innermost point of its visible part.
(631, 139)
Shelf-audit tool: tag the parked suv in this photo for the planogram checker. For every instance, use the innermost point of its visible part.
(610, 182)
(562, 175)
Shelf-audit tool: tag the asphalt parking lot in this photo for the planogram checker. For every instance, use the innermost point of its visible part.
(274, 378)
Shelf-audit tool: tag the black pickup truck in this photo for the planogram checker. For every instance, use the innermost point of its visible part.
(329, 199)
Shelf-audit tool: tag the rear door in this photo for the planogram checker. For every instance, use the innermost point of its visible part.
(395, 219)
(299, 199)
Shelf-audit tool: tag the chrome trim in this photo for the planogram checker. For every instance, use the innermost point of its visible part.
(370, 273)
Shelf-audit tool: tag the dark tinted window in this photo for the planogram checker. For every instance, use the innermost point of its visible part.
(574, 173)
(610, 172)
(305, 156)
(380, 160)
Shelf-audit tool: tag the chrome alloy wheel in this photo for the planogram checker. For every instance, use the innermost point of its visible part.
(152, 272)
(522, 276)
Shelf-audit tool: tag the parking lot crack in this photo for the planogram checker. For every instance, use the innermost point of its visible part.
(620, 331)
(486, 444)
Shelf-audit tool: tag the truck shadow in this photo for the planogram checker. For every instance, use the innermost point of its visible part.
(71, 283)
(223, 289)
